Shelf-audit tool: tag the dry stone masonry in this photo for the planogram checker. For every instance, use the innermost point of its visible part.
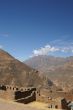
(22, 95)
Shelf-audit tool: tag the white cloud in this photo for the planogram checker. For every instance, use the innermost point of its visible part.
(58, 45)
(45, 50)
(67, 49)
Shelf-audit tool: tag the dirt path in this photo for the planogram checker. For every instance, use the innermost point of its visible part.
(9, 105)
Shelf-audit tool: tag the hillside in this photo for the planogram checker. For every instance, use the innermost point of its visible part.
(59, 70)
(45, 63)
(14, 72)
(63, 76)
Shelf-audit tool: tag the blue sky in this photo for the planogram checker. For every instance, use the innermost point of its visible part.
(36, 27)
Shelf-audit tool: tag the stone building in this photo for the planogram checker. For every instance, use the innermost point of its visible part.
(29, 94)
(22, 95)
(59, 103)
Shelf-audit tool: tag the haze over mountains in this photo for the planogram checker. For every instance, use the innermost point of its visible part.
(16, 73)
(58, 69)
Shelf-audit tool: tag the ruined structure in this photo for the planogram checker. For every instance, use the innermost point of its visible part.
(54, 99)
(30, 94)
(22, 95)
(59, 103)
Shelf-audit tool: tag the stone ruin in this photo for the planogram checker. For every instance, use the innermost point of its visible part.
(30, 94)
(22, 95)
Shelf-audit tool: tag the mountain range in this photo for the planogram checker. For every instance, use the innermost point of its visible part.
(13, 72)
(40, 71)
(58, 69)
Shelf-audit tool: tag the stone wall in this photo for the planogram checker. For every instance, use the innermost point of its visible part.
(23, 95)
(27, 99)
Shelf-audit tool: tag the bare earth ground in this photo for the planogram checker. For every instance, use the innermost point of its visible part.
(8, 105)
